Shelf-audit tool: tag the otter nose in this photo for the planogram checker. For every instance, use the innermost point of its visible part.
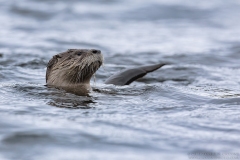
(94, 51)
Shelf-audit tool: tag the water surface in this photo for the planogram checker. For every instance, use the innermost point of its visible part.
(190, 106)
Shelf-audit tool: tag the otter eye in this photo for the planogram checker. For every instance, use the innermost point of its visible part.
(94, 51)
(79, 53)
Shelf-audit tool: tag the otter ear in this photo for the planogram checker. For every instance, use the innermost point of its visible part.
(51, 62)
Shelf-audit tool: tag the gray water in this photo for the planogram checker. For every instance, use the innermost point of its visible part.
(188, 108)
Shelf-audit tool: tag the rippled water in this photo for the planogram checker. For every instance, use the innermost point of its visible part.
(190, 106)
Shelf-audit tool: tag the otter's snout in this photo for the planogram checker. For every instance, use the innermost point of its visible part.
(95, 51)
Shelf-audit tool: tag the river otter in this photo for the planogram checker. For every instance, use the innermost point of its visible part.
(73, 69)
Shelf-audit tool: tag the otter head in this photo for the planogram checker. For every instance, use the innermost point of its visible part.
(73, 68)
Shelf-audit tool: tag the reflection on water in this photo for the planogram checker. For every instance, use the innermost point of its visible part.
(71, 101)
(189, 106)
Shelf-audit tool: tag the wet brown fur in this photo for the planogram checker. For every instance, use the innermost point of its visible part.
(73, 69)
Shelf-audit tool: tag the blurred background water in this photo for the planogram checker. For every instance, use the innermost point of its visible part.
(190, 106)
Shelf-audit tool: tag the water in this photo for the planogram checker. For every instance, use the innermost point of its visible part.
(190, 106)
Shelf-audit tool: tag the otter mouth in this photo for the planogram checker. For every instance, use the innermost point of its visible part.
(85, 73)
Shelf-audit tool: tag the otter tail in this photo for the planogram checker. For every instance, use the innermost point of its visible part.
(127, 76)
